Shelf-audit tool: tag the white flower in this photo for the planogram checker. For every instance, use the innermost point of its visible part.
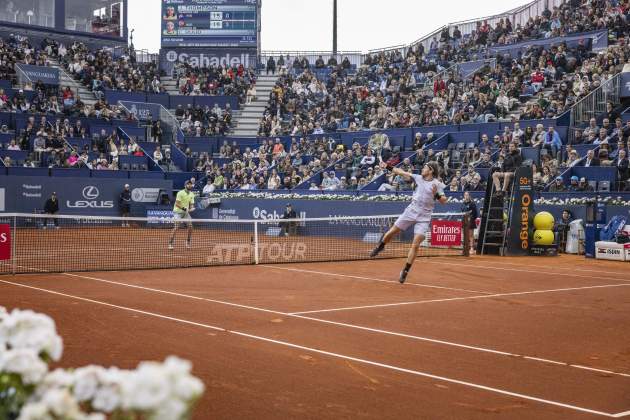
(147, 388)
(56, 404)
(107, 399)
(35, 411)
(87, 381)
(172, 409)
(188, 387)
(30, 330)
(109, 395)
(59, 378)
(24, 362)
(62, 404)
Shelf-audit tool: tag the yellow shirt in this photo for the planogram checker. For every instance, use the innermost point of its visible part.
(186, 199)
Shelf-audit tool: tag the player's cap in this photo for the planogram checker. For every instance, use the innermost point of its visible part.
(126, 185)
(559, 178)
(288, 204)
(582, 179)
(574, 178)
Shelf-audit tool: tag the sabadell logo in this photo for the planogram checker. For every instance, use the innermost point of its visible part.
(206, 60)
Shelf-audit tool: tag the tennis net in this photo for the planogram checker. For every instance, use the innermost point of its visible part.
(41, 243)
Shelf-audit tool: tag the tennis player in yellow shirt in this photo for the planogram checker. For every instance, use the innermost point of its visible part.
(184, 205)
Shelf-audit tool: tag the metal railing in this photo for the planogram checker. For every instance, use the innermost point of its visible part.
(23, 78)
(355, 57)
(150, 156)
(172, 133)
(76, 86)
(426, 88)
(594, 103)
(517, 16)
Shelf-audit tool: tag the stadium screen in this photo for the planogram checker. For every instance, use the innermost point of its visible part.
(209, 23)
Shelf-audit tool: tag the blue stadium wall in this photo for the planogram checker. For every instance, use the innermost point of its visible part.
(99, 197)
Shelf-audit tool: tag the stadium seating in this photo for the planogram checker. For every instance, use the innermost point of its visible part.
(438, 102)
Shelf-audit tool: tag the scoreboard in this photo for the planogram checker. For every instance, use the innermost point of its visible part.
(210, 23)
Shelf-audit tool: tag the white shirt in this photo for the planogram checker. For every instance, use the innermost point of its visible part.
(423, 200)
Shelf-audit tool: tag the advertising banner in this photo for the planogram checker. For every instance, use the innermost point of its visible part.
(82, 196)
(595, 41)
(446, 233)
(205, 57)
(518, 240)
(5, 242)
(47, 75)
(143, 111)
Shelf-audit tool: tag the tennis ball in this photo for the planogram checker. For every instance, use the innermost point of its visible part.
(544, 221)
(543, 237)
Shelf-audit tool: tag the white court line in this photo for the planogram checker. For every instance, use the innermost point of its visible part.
(532, 292)
(482, 261)
(539, 272)
(431, 286)
(327, 353)
(166, 292)
(619, 415)
(358, 327)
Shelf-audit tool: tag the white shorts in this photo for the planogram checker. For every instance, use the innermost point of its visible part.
(178, 216)
(405, 221)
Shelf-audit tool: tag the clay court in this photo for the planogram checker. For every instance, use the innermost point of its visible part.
(466, 338)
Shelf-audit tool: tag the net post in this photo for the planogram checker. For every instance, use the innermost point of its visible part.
(14, 247)
(466, 223)
(256, 243)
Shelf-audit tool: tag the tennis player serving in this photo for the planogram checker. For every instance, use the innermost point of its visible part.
(184, 205)
(418, 214)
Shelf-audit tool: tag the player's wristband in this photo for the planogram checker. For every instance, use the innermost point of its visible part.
(437, 196)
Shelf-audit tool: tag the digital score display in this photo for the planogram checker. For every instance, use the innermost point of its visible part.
(209, 23)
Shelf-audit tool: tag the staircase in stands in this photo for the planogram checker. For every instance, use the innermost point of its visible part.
(246, 124)
(66, 80)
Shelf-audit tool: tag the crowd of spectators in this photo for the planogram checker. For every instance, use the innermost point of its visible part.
(214, 80)
(389, 90)
(53, 144)
(206, 121)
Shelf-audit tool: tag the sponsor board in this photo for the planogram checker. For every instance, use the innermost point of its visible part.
(5, 242)
(159, 216)
(224, 214)
(274, 252)
(262, 214)
(31, 190)
(143, 111)
(207, 57)
(611, 251)
(46, 75)
(145, 195)
(91, 200)
(446, 233)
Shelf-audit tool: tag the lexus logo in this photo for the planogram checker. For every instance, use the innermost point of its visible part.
(90, 193)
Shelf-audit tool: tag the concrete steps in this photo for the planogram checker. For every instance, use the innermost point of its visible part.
(249, 120)
(66, 80)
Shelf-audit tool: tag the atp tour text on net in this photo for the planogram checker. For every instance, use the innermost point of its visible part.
(267, 252)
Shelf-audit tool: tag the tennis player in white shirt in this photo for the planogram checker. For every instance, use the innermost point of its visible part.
(429, 190)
